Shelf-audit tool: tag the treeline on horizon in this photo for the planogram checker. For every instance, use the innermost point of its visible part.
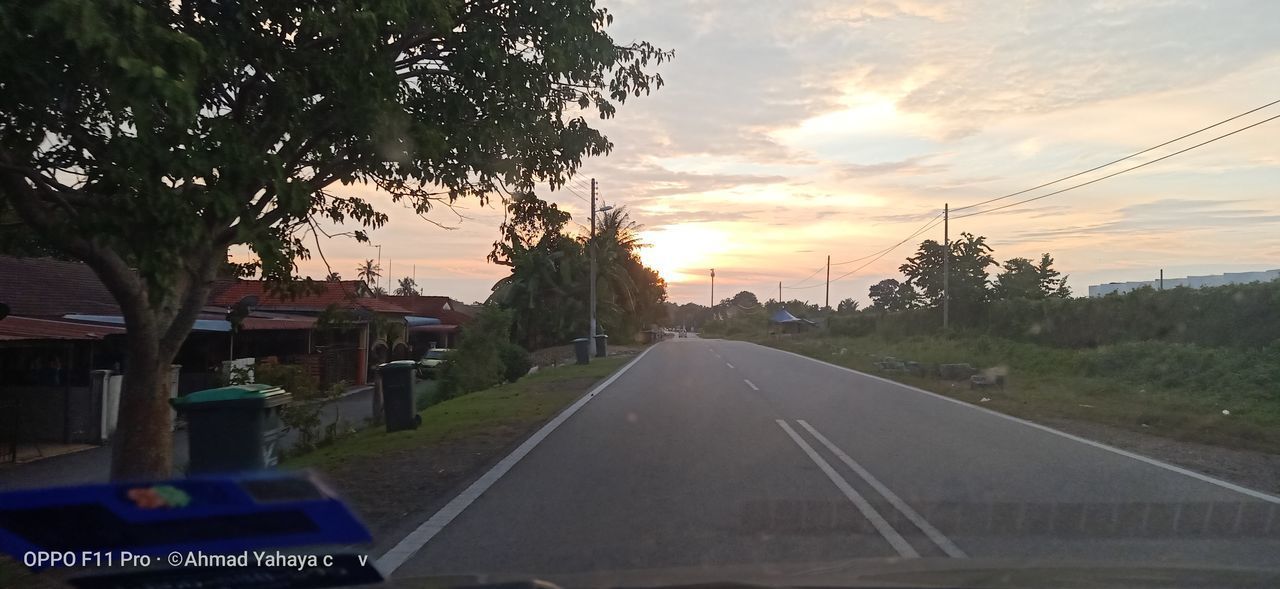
(1027, 301)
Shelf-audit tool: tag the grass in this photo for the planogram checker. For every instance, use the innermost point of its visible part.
(527, 402)
(1172, 390)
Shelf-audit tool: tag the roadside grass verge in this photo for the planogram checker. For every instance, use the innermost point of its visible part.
(530, 400)
(1173, 390)
(387, 478)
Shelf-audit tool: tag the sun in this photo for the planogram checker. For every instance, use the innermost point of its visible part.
(680, 252)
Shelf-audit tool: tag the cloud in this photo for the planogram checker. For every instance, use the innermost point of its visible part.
(1168, 216)
(907, 167)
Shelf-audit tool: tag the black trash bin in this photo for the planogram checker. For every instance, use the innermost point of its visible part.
(582, 350)
(602, 345)
(233, 429)
(398, 408)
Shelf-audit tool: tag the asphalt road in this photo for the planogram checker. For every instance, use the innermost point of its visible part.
(711, 454)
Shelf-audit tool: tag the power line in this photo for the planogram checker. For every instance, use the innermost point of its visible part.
(935, 218)
(805, 278)
(930, 225)
(1116, 161)
(1114, 174)
(815, 273)
(574, 193)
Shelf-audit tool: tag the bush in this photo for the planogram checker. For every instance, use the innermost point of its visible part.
(515, 362)
(476, 364)
(306, 408)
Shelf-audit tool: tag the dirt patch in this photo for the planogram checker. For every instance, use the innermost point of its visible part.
(1255, 470)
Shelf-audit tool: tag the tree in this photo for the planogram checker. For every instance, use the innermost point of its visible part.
(378, 291)
(847, 306)
(745, 300)
(970, 258)
(408, 287)
(1024, 279)
(333, 277)
(892, 295)
(369, 271)
(147, 138)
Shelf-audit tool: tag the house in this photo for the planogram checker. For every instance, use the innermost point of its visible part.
(449, 317)
(45, 359)
(352, 330)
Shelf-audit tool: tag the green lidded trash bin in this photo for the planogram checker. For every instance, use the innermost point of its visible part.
(602, 345)
(582, 350)
(233, 429)
(398, 410)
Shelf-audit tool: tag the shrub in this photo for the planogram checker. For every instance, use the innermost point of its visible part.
(476, 364)
(515, 362)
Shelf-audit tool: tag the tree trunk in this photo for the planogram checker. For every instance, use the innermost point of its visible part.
(143, 444)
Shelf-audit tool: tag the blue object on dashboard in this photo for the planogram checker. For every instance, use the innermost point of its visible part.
(211, 514)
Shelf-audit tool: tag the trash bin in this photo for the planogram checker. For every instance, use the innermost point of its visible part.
(398, 410)
(602, 345)
(233, 429)
(582, 349)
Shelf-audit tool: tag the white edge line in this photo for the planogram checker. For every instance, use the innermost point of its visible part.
(728, 364)
(940, 539)
(891, 535)
(1152, 461)
(751, 384)
(415, 540)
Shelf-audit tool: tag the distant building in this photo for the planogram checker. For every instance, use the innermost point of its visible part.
(1100, 290)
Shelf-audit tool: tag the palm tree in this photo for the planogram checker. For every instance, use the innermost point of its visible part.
(369, 272)
(408, 287)
(333, 277)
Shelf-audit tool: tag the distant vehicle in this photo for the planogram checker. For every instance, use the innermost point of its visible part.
(430, 363)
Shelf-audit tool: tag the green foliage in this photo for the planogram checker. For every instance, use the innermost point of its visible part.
(476, 364)
(515, 362)
(847, 306)
(549, 285)
(1024, 279)
(891, 295)
(407, 287)
(970, 258)
(305, 411)
(148, 138)
(1235, 316)
(369, 271)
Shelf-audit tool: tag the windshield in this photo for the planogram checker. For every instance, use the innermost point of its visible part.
(617, 292)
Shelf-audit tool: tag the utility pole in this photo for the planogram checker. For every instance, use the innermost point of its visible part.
(713, 293)
(592, 334)
(779, 292)
(828, 281)
(1162, 279)
(946, 266)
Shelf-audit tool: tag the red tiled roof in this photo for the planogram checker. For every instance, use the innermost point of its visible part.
(45, 287)
(347, 294)
(434, 306)
(28, 328)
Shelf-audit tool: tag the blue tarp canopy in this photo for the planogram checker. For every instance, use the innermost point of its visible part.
(413, 321)
(784, 316)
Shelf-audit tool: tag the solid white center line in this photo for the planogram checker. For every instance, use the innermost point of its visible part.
(891, 535)
(938, 538)
(751, 384)
(728, 364)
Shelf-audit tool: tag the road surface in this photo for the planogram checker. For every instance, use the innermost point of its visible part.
(714, 454)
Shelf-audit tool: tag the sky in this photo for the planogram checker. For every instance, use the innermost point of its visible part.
(790, 131)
